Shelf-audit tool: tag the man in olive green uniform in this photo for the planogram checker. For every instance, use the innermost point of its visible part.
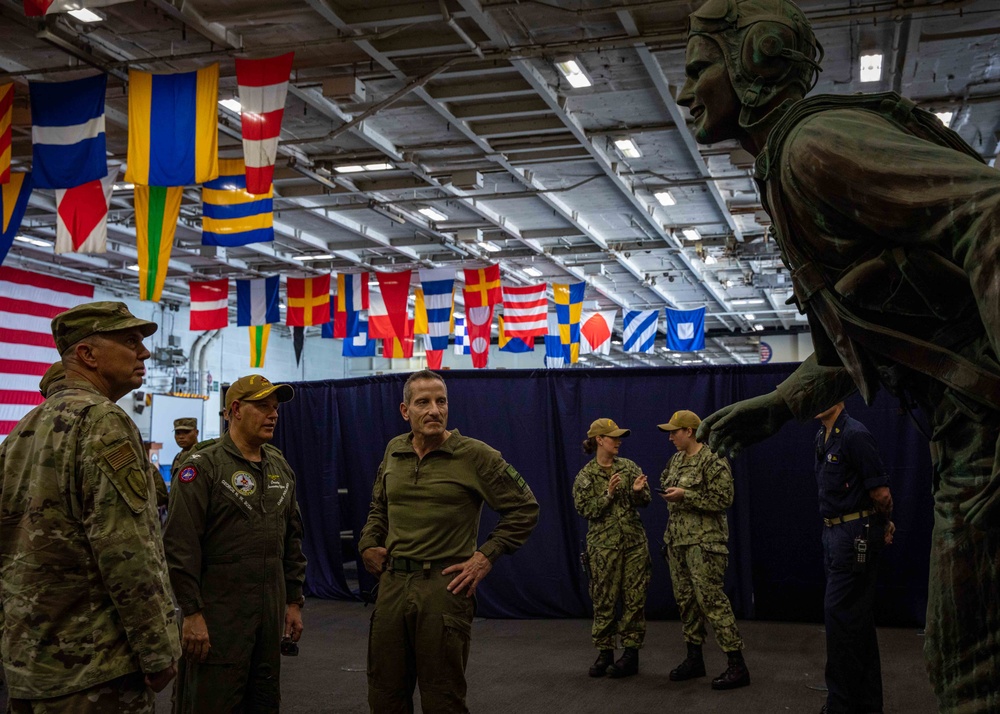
(420, 540)
(186, 436)
(698, 488)
(899, 284)
(234, 545)
(87, 622)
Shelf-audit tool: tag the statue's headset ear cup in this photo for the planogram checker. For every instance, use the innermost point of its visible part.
(768, 51)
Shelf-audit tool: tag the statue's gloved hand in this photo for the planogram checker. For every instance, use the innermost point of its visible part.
(733, 428)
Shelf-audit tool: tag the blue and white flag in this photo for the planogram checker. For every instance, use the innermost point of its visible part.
(359, 345)
(462, 346)
(555, 352)
(640, 330)
(438, 285)
(67, 133)
(685, 330)
(257, 301)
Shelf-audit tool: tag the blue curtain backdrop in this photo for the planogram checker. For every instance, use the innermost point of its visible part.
(334, 434)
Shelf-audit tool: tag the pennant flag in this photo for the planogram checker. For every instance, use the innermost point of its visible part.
(298, 342)
(173, 127)
(595, 332)
(438, 286)
(434, 358)
(640, 330)
(82, 216)
(419, 312)
(28, 302)
(308, 301)
(513, 344)
(478, 321)
(230, 215)
(258, 341)
(555, 352)
(68, 146)
(6, 122)
(209, 304)
(482, 286)
(396, 347)
(13, 203)
(352, 297)
(263, 84)
(156, 212)
(257, 302)
(461, 338)
(569, 309)
(387, 314)
(359, 345)
(524, 311)
(686, 330)
(40, 8)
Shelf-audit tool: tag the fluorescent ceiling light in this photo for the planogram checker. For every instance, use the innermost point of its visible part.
(123, 187)
(311, 257)
(582, 359)
(349, 169)
(665, 198)
(574, 73)
(749, 317)
(711, 260)
(433, 214)
(134, 268)
(491, 246)
(231, 104)
(945, 117)
(758, 327)
(533, 271)
(32, 241)
(379, 167)
(871, 67)
(748, 301)
(628, 148)
(616, 341)
(85, 15)
(691, 234)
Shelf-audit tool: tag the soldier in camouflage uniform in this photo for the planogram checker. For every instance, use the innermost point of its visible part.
(87, 623)
(698, 488)
(53, 375)
(607, 492)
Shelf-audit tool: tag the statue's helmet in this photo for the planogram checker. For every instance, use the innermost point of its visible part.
(769, 46)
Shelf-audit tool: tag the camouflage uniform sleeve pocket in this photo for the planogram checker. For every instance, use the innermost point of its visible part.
(123, 467)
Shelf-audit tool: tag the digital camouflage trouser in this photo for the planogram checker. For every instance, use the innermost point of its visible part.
(125, 695)
(697, 574)
(619, 574)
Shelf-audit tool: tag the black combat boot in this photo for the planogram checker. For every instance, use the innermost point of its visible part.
(693, 666)
(736, 674)
(601, 664)
(627, 664)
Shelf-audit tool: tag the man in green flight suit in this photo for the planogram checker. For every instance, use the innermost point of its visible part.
(899, 284)
(87, 622)
(420, 541)
(186, 436)
(234, 546)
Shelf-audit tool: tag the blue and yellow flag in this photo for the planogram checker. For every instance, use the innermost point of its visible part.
(230, 215)
(173, 127)
(569, 309)
(13, 203)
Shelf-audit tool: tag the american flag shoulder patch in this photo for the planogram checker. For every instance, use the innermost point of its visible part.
(120, 456)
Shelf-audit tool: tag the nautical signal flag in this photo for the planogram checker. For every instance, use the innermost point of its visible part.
(524, 311)
(569, 310)
(438, 286)
(595, 332)
(209, 304)
(156, 211)
(686, 330)
(359, 345)
(399, 347)
(478, 321)
(257, 301)
(387, 312)
(173, 127)
(6, 122)
(13, 203)
(263, 85)
(82, 216)
(68, 146)
(308, 301)
(461, 337)
(639, 332)
(352, 298)
(231, 215)
(40, 8)
(555, 352)
(482, 286)
(258, 344)
(512, 344)
(434, 357)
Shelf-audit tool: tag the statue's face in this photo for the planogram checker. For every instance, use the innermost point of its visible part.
(708, 92)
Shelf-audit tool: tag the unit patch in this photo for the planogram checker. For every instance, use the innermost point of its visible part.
(833, 458)
(244, 483)
(516, 477)
(188, 474)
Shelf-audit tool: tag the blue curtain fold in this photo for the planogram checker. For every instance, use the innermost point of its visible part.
(334, 434)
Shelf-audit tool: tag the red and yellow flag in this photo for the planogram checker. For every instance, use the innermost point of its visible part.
(482, 286)
(308, 301)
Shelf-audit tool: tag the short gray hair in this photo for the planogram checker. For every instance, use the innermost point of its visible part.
(416, 377)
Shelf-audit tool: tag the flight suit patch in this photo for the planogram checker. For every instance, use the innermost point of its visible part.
(244, 483)
(187, 474)
(833, 458)
(516, 477)
(274, 481)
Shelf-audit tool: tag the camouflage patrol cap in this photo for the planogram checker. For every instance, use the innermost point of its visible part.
(91, 318)
(606, 427)
(185, 424)
(254, 387)
(683, 419)
(55, 373)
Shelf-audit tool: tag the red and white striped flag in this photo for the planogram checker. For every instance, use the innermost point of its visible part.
(40, 8)
(263, 84)
(28, 302)
(82, 216)
(524, 312)
(210, 304)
